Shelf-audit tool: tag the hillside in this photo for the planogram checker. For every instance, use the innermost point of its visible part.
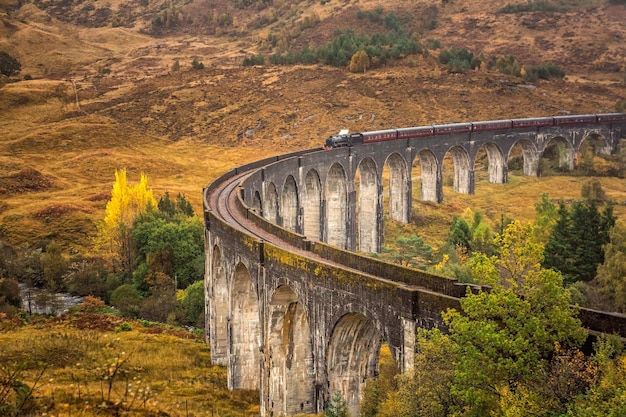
(104, 92)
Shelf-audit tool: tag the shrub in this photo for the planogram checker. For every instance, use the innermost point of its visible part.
(360, 62)
(195, 64)
(253, 60)
(8, 65)
(544, 72)
(457, 59)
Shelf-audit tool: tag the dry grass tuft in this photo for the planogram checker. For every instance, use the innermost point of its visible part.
(28, 179)
(57, 210)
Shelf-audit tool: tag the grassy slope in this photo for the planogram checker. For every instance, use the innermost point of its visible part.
(161, 370)
(104, 98)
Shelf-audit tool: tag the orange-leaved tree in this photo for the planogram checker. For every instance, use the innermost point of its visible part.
(114, 232)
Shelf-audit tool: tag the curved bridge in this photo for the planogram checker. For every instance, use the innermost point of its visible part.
(292, 310)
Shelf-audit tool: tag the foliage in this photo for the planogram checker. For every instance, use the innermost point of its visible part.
(411, 251)
(506, 337)
(176, 66)
(191, 304)
(611, 273)
(544, 72)
(545, 218)
(8, 65)
(195, 64)
(360, 62)
(127, 203)
(592, 190)
(172, 245)
(425, 390)
(459, 59)
(10, 293)
(253, 60)
(607, 396)
(379, 388)
(127, 300)
(380, 48)
(508, 64)
(575, 245)
(54, 266)
(337, 406)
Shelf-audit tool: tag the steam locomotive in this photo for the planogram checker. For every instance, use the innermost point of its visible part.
(349, 139)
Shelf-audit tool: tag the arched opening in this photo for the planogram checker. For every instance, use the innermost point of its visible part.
(489, 160)
(523, 159)
(366, 187)
(256, 203)
(424, 176)
(289, 204)
(557, 157)
(312, 203)
(336, 196)
(271, 205)
(290, 362)
(591, 156)
(384, 383)
(395, 188)
(219, 313)
(456, 170)
(245, 332)
(352, 357)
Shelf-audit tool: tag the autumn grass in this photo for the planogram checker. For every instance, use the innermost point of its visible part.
(514, 199)
(79, 154)
(160, 369)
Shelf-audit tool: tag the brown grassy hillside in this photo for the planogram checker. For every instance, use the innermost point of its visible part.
(104, 96)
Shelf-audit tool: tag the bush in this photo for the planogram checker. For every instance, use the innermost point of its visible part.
(195, 64)
(544, 72)
(253, 60)
(127, 300)
(8, 65)
(457, 59)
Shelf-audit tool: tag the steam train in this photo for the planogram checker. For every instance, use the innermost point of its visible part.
(349, 139)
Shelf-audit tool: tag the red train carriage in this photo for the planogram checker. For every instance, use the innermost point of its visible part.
(575, 119)
(415, 132)
(491, 125)
(380, 135)
(612, 117)
(533, 122)
(452, 128)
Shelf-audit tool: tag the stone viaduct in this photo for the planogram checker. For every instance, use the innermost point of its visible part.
(295, 307)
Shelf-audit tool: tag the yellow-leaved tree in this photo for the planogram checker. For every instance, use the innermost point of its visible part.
(114, 232)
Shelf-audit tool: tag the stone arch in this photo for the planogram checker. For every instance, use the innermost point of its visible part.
(291, 387)
(591, 145)
(428, 176)
(336, 196)
(528, 153)
(564, 152)
(256, 203)
(398, 188)
(219, 313)
(312, 203)
(495, 163)
(271, 204)
(289, 204)
(352, 357)
(245, 332)
(367, 206)
(462, 172)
